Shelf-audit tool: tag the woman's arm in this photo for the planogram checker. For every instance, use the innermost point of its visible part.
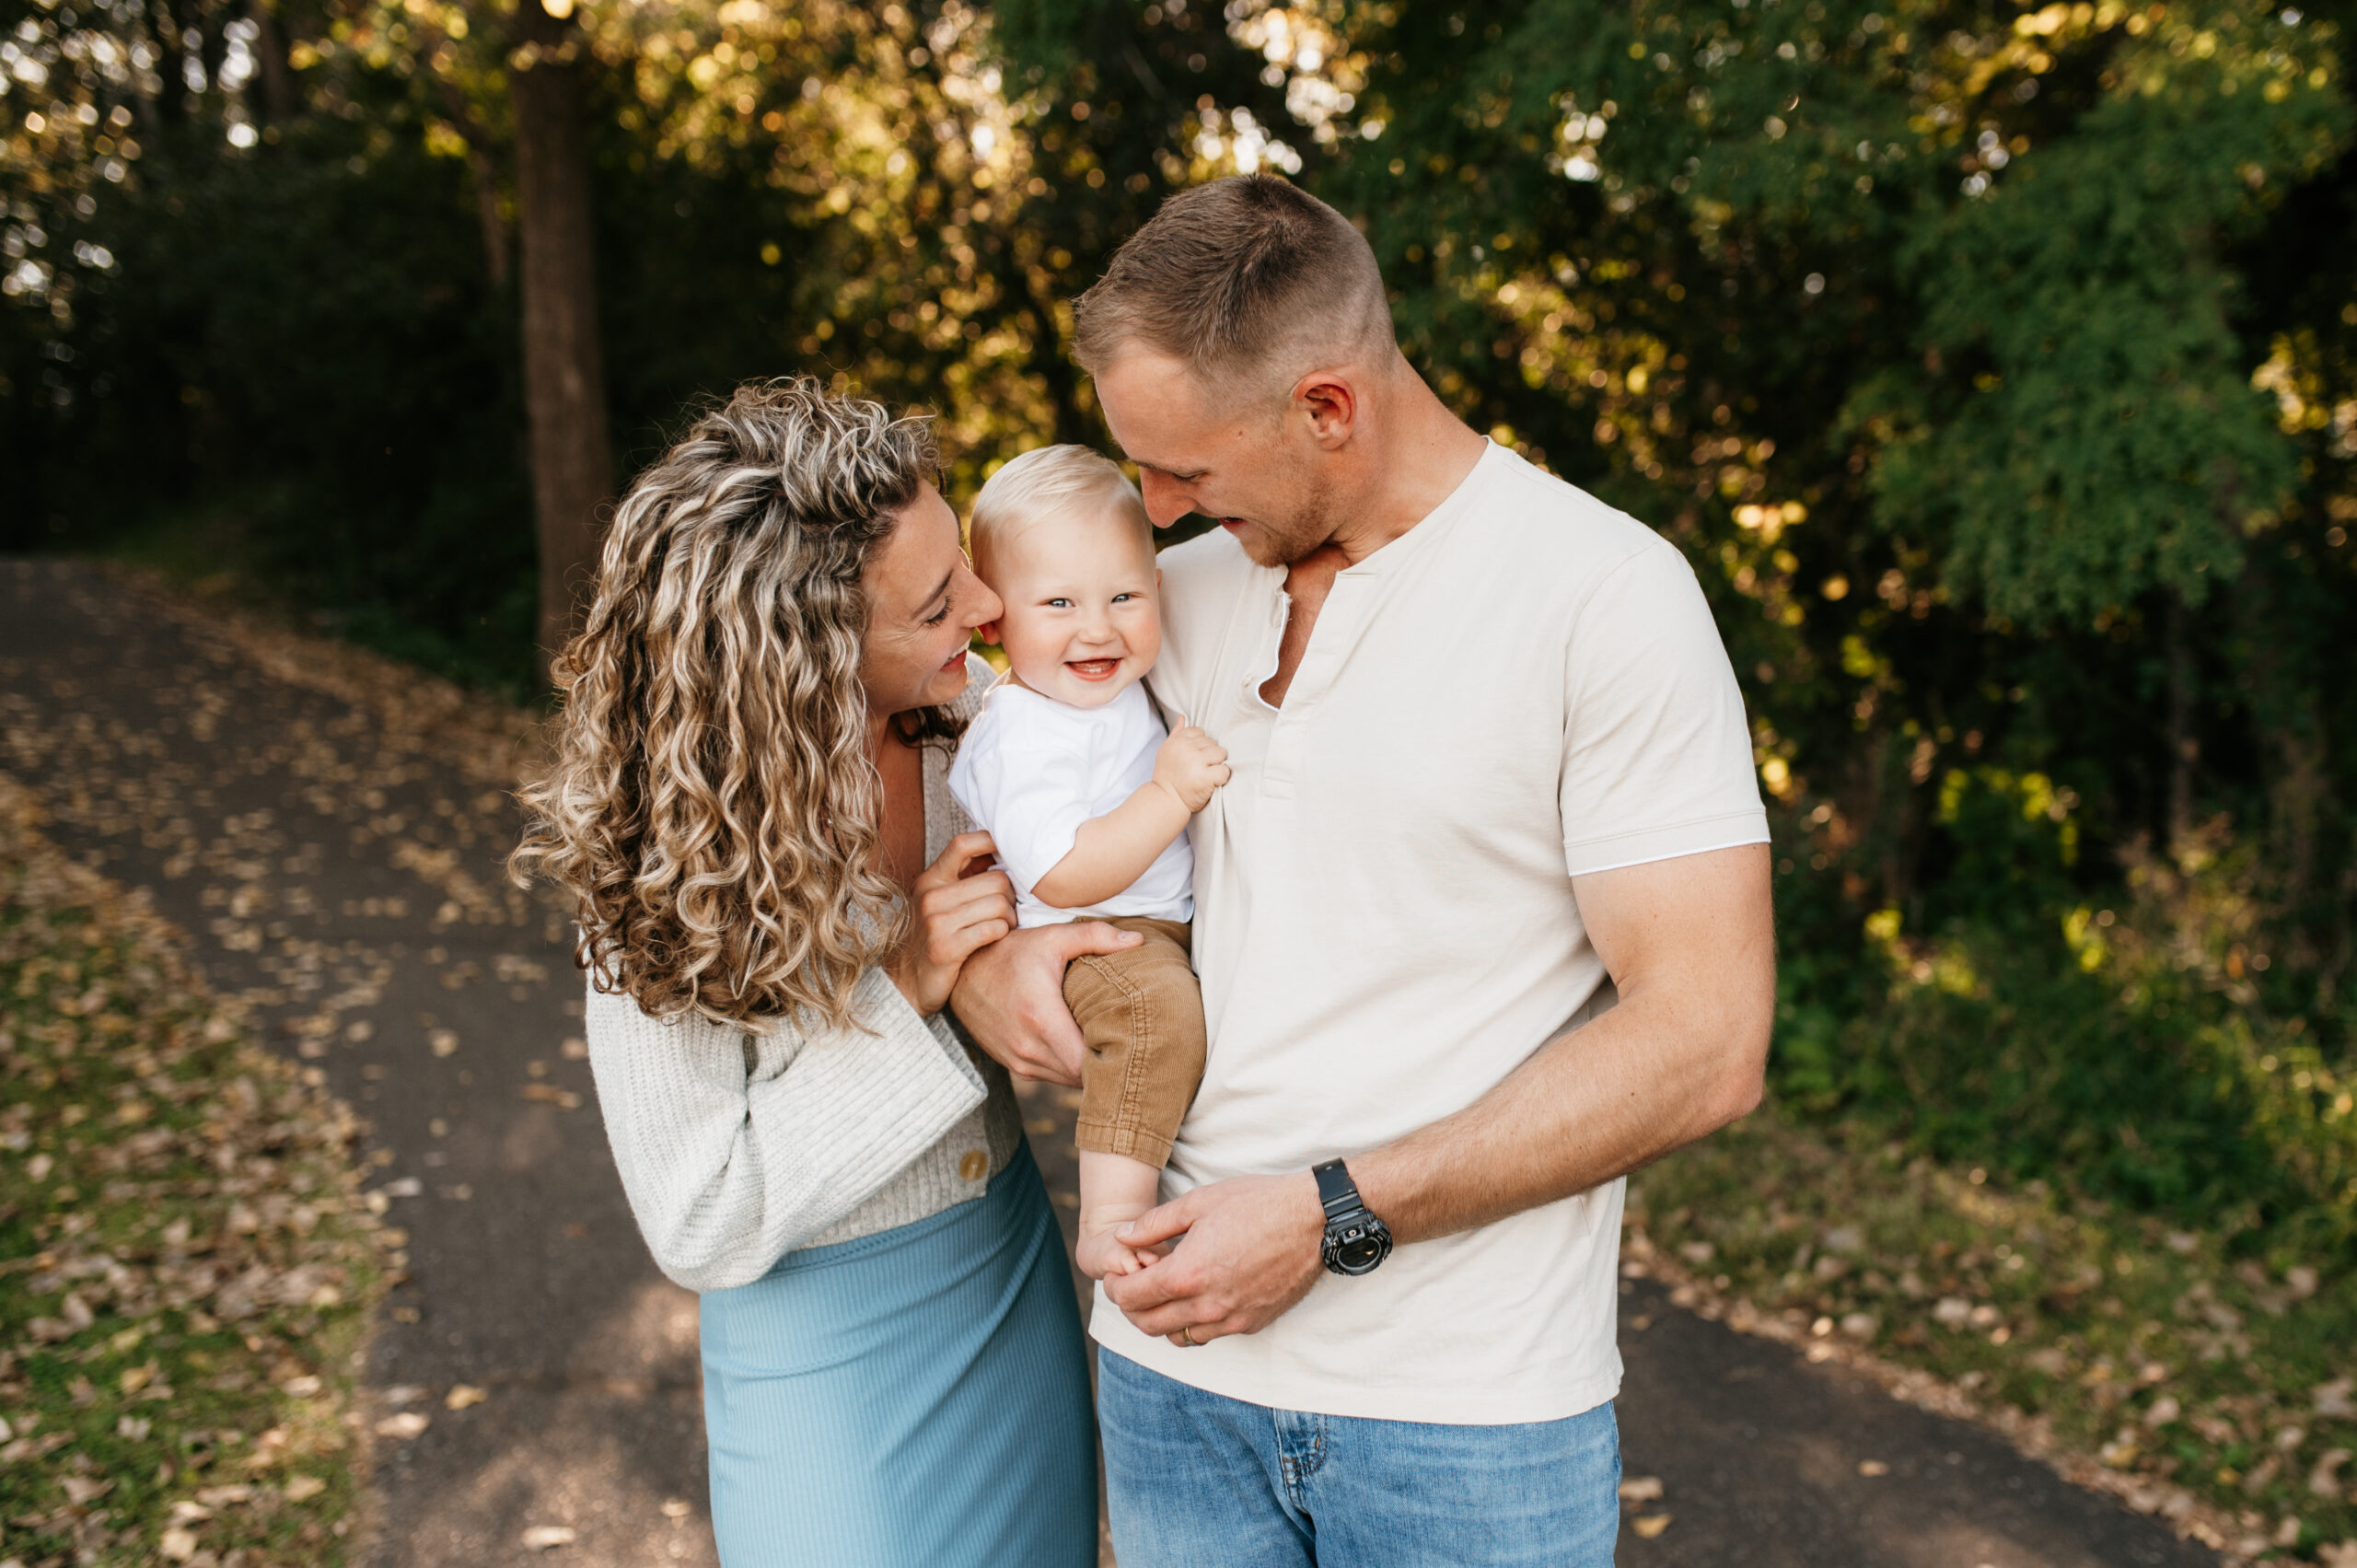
(735, 1149)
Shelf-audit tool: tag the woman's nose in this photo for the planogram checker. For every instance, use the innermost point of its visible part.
(981, 605)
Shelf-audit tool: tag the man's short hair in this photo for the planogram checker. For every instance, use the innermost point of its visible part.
(1247, 276)
(1049, 482)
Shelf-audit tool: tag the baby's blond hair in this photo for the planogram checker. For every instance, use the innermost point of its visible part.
(1048, 481)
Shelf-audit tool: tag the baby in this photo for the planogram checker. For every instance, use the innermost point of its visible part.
(1087, 799)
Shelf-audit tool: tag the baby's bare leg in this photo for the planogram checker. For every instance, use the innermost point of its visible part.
(1114, 1190)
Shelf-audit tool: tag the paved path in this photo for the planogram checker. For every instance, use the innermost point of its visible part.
(330, 840)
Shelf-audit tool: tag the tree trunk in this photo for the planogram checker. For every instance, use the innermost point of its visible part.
(565, 378)
(171, 62)
(2183, 743)
(494, 223)
(278, 92)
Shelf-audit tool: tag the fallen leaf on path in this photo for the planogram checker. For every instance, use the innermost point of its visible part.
(1650, 1525)
(404, 1426)
(1871, 1468)
(302, 1486)
(462, 1395)
(545, 1538)
(445, 1042)
(674, 1508)
(1641, 1489)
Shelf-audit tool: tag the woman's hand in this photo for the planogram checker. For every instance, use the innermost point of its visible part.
(961, 905)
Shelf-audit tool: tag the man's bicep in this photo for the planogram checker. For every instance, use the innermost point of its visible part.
(1709, 913)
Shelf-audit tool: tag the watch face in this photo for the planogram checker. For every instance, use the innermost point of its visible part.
(1356, 1250)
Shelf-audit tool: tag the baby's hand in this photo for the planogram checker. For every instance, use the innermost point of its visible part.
(1101, 1257)
(1191, 765)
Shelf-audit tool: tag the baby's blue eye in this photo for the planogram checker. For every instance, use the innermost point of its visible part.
(1060, 604)
(1121, 598)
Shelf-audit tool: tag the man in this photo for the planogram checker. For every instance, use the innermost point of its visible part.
(1482, 924)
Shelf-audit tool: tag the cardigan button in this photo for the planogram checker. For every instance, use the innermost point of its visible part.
(974, 1166)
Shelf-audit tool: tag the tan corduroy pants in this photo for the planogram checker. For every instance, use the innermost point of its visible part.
(1141, 1012)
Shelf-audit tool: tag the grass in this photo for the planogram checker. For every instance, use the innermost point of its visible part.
(2213, 1389)
(190, 1272)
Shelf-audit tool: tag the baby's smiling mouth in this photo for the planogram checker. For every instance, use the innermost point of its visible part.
(1092, 668)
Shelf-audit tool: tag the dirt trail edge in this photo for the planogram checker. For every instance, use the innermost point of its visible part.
(328, 832)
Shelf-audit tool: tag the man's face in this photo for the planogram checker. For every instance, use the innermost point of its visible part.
(1239, 459)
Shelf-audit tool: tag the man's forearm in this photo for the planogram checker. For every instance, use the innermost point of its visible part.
(1592, 1105)
(1691, 943)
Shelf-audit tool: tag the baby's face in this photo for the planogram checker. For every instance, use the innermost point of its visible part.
(1083, 618)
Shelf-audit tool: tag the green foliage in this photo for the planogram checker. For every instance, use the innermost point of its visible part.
(2133, 1049)
(2097, 436)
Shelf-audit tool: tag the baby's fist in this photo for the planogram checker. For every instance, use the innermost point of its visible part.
(1191, 765)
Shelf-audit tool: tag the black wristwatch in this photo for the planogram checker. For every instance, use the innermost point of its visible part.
(1355, 1240)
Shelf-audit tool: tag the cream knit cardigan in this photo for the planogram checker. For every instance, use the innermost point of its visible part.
(735, 1148)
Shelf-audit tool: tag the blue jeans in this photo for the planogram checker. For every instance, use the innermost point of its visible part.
(1196, 1479)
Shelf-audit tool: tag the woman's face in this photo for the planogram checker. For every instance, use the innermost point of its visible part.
(923, 602)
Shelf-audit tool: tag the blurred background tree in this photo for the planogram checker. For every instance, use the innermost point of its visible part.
(1995, 364)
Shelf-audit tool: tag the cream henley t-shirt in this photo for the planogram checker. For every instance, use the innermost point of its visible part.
(1523, 688)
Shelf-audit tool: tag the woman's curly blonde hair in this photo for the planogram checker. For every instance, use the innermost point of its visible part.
(713, 807)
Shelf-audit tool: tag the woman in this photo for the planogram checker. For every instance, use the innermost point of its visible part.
(749, 810)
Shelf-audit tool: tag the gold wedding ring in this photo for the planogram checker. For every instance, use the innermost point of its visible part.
(1188, 1333)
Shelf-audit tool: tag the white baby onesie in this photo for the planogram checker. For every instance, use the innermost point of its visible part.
(1031, 770)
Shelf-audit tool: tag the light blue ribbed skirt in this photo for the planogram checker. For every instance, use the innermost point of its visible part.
(916, 1398)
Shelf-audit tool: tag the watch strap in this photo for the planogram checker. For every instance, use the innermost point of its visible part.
(1337, 1193)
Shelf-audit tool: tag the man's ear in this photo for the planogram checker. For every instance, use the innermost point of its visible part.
(1331, 405)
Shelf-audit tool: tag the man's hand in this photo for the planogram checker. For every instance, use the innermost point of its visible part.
(1010, 996)
(1250, 1251)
